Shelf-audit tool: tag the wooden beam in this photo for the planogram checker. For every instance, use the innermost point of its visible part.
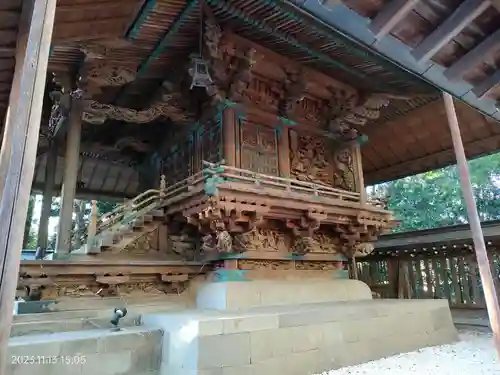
(451, 27)
(7, 51)
(488, 84)
(453, 235)
(496, 4)
(25, 124)
(91, 7)
(473, 57)
(490, 294)
(89, 194)
(390, 15)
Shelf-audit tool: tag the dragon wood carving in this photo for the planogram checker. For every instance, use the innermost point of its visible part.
(357, 117)
(166, 105)
(231, 67)
(293, 88)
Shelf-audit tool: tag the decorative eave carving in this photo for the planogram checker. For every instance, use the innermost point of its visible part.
(339, 104)
(167, 105)
(231, 67)
(303, 231)
(293, 86)
(360, 115)
(96, 72)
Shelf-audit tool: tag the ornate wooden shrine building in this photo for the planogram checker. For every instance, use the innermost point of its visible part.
(245, 130)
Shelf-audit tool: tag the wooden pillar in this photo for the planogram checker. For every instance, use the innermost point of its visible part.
(284, 151)
(229, 137)
(48, 190)
(24, 122)
(92, 228)
(354, 268)
(475, 224)
(22, 39)
(72, 159)
(358, 170)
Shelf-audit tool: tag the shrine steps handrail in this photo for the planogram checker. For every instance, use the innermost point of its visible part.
(129, 220)
(131, 204)
(127, 209)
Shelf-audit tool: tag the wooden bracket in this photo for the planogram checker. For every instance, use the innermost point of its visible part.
(174, 278)
(112, 280)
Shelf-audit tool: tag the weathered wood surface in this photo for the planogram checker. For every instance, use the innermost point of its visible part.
(455, 278)
(436, 239)
(25, 121)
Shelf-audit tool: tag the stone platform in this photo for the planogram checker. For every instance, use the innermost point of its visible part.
(223, 328)
(298, 339)
(131, 351)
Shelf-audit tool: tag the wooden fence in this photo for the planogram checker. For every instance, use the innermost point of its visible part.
(455, 278)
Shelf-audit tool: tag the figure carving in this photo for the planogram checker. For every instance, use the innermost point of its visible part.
(218, 241)
(344, 177)
(303, 240)
(213, 223)
(317, 265)
(262, 240)
(293, 88)
(309, 160)
(265, 264)
(327, 243)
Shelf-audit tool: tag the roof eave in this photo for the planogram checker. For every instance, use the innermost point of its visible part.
(343, 20)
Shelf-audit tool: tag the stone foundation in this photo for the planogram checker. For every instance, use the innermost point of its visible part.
(278, 327)
(299, 339)
(132, 351)
(244, 295)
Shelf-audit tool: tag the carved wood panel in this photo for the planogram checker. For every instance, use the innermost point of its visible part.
(259, 148)
(345, 170)
(311, 158)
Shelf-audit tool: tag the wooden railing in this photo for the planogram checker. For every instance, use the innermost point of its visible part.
(455, 278)
(233, 174)
(155, 198)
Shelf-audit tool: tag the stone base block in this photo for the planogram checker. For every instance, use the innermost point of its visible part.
(299, 339)
(131, 351)
(244, 295)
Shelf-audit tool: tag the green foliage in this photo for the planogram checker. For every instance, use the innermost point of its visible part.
(30, 235)
(29, 241)
(105, 207)
(434, 199)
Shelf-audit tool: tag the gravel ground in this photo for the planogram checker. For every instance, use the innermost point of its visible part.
(473, 355)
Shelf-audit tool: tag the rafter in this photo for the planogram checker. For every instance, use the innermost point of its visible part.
(488, 84)
(451, 27)
(390, 16)
(473, 57)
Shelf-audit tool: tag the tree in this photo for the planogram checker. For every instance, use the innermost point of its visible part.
(82, 210)
(434, 199)
(29, 241)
